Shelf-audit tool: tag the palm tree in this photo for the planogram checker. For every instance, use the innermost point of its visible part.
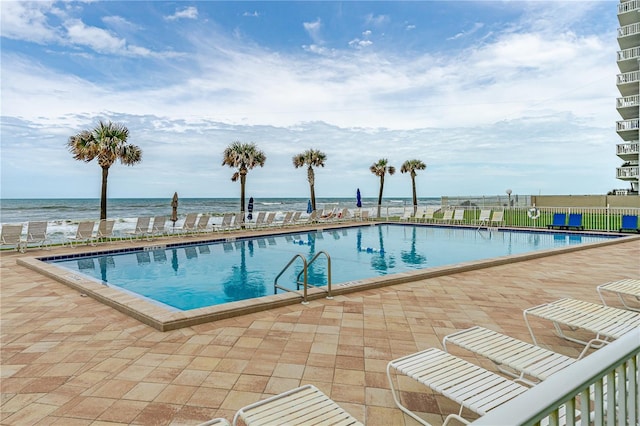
(244, 157)
(380, 169)
(411, 166)
(311, 158)
(107, 142)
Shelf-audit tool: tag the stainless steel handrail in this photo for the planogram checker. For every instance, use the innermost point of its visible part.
(304, 270)
(329, 296)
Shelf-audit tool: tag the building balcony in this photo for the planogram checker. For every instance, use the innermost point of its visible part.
(629, 36)
(628, 12)
(628, 173)
(628, 151)
(628, 107)
(628, 59)
(628, 83)
(628, 129)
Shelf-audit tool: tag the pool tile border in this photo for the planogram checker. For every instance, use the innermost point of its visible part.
(164, 319)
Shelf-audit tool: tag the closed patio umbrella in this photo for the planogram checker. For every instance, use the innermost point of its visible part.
(309, 208)
(174, 209)
(250, 209)
(358, 199)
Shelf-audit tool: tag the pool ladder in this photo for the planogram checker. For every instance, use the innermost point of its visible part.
(305, 274)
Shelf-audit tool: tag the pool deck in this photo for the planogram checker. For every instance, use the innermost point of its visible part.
(72, 360)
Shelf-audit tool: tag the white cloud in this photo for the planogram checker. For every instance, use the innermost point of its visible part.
(376, 20)
(475, 28)
(27, 21)
(190, 12)
(516, 110)
(253, 14)
(313, 29)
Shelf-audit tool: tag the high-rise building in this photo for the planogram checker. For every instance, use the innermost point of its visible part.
(628, 82)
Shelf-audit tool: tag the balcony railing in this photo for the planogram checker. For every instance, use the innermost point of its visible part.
(623, 125)
(627, 172)
(628, 6)
(629, 30)
(626, 54)
(628, 148)
(628, 101)
(603, 388)
(628, 77)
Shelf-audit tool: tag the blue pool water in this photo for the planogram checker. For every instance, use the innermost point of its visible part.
(193, 276)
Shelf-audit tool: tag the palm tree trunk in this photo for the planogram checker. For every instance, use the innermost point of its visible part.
(380, 195)
(243, 181)
(103, 193)
(415, 196)
(312, 181)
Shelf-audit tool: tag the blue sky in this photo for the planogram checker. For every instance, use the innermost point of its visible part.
(490, 95)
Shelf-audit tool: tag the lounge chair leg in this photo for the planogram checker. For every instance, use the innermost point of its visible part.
(396, 398)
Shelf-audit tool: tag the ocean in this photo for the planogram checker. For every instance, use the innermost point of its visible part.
(63, 215)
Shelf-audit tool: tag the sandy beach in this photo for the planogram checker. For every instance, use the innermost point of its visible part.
(68, 359)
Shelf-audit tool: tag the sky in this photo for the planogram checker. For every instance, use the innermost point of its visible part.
(490, 95)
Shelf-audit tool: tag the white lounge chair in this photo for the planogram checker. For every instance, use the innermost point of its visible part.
(142, 228)
(202, 225)
(420, 212)
(513, 357)
(238, 221)
(407, 214)
(259, 221)
(605, 322)
(11, 235)
(624, 290)
(364, 215)
(84, 234)
(305, 405)
(473, 387)
(484, 218)
(225, 224)
(105, 229)
(295, 219)
(157, 228)
(428, 215)
(36, 234)
(270, 220)
(458, 216)
(189, 224)
(447, 216)
(497, 218)
(286, 220)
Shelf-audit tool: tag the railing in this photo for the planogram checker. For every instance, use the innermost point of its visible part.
(628, 148)
(593, 218)
(626, 54)
(305, 273)
(627, 172)
(628, 77)
(628, 30)
(632, 124)
(628, 6)
(628, 101)
(601, 389)
(309, 263)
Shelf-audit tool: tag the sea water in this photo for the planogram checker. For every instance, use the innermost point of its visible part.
(63, 215)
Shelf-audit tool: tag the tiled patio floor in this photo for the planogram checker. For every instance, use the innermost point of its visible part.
(68, 359)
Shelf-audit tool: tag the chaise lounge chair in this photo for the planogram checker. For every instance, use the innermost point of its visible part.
(629, 223)
(105, 229)
(141, 229)
(84, 234)
(523, 361)
(305, 405)
(36, 234)
(471, 386)
(447, 216)
(11, 235)
(483, 219)
(575, 222)
(559, 221)
(157, 229)
(497, 218)
(629, 288)
(458, 216)
(605, 322)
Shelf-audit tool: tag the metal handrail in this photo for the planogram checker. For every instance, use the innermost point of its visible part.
(304, 269)
(329, 296)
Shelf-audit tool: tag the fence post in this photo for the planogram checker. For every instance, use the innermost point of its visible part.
(608, 218)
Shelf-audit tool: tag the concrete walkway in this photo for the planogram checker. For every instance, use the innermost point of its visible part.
(70, 360)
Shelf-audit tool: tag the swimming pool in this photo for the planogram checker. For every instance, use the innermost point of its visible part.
(193, 276)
